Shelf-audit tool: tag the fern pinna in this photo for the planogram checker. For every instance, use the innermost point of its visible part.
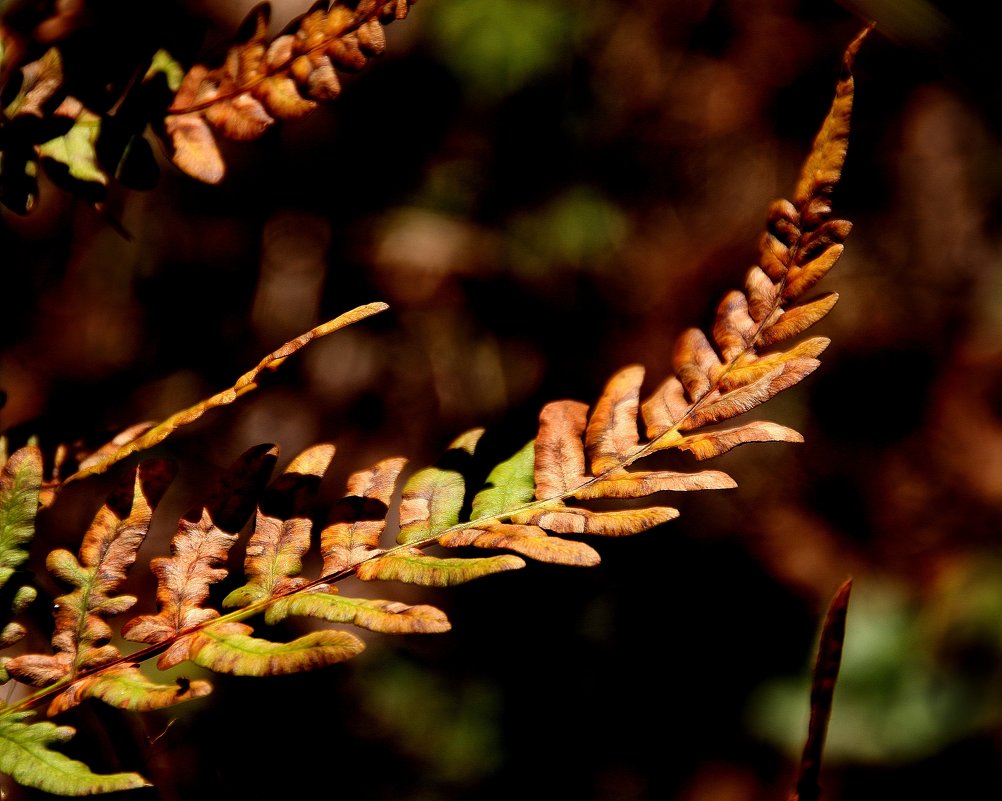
(528, 507)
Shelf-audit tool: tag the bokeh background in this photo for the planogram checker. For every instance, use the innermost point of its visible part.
(545, 191)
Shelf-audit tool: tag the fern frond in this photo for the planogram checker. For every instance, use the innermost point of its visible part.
(81, 638)
(147, 437)
(801, 244)
(261, 81)
(198, 557)
(577, 456)
(282, 535)
(525, 506)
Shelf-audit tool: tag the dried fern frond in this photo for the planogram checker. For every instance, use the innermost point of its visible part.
(534, 505)
(262, 80)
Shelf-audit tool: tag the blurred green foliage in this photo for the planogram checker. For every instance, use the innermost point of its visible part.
(499, 47)
(921, 671)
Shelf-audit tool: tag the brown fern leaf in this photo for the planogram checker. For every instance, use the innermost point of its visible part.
(282, 531)
(198, 556)
(348, 541)
(81, 636)
(261, 81)
(587, 456)
(357, 522)
(801, 244)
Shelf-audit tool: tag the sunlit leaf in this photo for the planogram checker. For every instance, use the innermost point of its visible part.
(229, 648)
(611, 435)
(708, 444)
(418, 568)
(26, 755)
(195, 148)
(432, 497)
(125, 687)
(560, 461)
(530, 541)
(41, 81)
(109, 547)
(639, 484)
(358, 521)
(568, 520)
(387, 617)
(163, 63)
(509, 485)
(798, 319)
(75, 149)
(282, 530)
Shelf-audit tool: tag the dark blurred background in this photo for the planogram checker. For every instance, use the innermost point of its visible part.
(545, 191)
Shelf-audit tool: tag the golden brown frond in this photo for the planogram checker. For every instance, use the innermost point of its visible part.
(576, 477)
(261, 80)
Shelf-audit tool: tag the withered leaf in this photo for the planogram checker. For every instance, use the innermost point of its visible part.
(41, 80)
(708, 444)
(568, 520)
(240, 118)
(246, 383)
(358, 521)
(282, 531)
(560, 461)
(639, 484)
(198, 557)
(611, 435)
(530, 541)
(798, 319)
(126, 687)
(109, 547)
